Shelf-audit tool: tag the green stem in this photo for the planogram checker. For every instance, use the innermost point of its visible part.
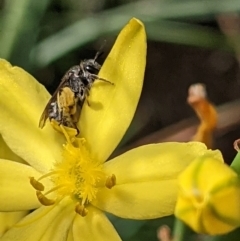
(236, 164)
(180, 231)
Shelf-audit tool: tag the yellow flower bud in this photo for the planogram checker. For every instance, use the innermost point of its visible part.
(209, 196)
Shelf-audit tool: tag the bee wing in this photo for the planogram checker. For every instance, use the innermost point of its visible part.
(43, 118)
(45, 113)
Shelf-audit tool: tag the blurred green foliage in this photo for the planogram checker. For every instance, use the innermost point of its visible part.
(36, 33)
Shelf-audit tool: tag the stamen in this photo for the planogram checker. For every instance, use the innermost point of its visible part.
(37, 185)
(49, 174)
(81, 210)
(44, 200)
(54, 189)
(110, 181)
(67, 136)
(77, 176)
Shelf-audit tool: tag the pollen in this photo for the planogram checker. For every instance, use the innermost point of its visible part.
(80, 174)
(77, 176)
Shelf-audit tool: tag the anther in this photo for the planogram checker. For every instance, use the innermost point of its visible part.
(110, 181)
(44, 200)
(81, 210)
(37, 185)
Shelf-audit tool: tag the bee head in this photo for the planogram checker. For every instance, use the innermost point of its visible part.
(91, 66)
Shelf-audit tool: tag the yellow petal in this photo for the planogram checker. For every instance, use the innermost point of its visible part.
(21, 104)
(62, 223)
(70, 236)
(46, 223)
(146, 179)
(209, 197)
(8, 219)
(15, 190)
(95, 226)
(147, 200)
(6, 152)
(112, 107)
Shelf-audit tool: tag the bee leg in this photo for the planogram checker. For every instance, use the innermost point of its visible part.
(75, 127)
(61, 121)
(87, 94)
(102, 79)
(88, 102)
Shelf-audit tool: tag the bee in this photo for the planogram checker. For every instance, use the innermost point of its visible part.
(65, 104)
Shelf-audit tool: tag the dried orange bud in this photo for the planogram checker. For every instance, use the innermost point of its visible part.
(209, 196)
(205, 111)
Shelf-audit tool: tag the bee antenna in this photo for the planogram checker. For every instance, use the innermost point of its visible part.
(100, 52)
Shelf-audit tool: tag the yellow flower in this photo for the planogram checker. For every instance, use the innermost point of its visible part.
(209, 196)
(8, 219)
(74, 183)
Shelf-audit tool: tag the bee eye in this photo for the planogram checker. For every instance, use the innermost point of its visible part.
(92, 69)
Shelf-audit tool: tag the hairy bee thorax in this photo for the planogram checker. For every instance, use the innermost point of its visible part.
(77, 176)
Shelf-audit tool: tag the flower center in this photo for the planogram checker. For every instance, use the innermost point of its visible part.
(77, 176)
